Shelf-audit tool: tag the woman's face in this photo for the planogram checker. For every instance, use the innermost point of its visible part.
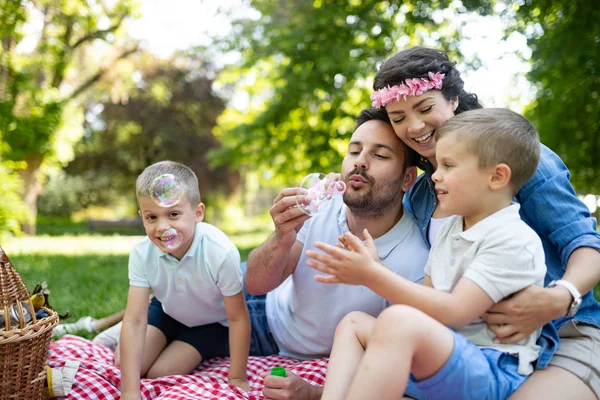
(416, 119)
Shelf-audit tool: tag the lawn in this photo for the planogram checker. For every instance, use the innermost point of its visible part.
(87, 275)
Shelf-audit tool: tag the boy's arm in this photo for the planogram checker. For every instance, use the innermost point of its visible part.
(132, 341)
(239, 338)
(456, 310)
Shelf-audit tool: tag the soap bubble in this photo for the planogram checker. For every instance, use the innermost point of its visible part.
(166, 190)
(171, 239)
(318, 190)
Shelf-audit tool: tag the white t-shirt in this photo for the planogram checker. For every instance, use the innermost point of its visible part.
(303, 314)
(191, 290)
(502, 255)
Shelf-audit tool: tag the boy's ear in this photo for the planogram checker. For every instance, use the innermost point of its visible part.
(200, 212)
(500, 177)
(410, 175)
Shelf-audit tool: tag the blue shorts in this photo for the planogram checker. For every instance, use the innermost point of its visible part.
(262, 342)
(471, 373)
(210, 340)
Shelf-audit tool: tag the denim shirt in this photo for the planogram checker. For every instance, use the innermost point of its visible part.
(550, 206)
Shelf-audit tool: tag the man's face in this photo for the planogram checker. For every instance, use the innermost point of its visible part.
(373, 170)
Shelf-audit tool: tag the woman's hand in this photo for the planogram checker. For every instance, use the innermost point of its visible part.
(526, 311)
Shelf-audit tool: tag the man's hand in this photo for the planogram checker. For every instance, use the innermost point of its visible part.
(291, 387)
(354, 266)
(241, 383)
(515, 318)
(287, 217)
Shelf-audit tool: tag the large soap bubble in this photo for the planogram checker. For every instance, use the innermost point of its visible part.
(318, 191)
(166, 190)
(171, 239)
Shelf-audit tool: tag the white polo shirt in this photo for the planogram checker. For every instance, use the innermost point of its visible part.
(191, 290)
(303, 314)
(502, 255)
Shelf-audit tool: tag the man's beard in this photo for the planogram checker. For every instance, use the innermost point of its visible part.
(381, 196)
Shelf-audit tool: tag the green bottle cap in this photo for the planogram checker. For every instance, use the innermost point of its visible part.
(278, 371)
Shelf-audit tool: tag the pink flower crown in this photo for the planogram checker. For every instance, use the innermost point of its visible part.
(410, 87)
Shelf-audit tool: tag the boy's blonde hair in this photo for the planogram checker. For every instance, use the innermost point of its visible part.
(181, 172)
(495, 136)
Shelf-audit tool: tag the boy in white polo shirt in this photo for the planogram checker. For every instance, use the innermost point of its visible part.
(198, 310)
(432, 337)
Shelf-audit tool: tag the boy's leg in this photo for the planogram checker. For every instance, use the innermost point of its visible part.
(108, 321)
(189, 347)
(349, 343)
(403, 340)
(154, 343)
(178, 358)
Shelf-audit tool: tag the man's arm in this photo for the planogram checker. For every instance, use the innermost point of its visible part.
(272, 262)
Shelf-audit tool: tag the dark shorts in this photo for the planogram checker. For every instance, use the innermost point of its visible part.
(210, 340)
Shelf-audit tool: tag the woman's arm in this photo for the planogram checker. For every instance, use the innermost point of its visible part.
(239, 338)
(132, 341)
(550, 206)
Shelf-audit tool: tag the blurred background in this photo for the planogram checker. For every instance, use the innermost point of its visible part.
(253, 95)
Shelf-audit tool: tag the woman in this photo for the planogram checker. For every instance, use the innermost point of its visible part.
(548, 204)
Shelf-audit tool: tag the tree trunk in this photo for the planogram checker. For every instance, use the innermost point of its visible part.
(32, 187)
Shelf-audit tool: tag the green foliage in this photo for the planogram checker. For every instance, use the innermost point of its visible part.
(565, 40)
(12, 210)
(168, 116)
(307, 67)
(40, 84)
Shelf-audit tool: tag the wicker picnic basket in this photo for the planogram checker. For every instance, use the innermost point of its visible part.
(23, 345)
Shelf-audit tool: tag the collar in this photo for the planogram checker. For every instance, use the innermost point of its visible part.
(390, 240)
(489, 223)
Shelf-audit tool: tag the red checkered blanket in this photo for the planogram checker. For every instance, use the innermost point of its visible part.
(98, 378)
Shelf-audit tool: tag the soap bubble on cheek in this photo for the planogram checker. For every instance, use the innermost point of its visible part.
(317, 191)
(166, 190)
(171, 239)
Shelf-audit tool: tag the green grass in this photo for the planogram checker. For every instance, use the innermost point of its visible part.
(86, 275)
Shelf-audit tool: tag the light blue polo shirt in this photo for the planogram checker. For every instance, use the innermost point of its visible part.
(303, 314)
(191, 290)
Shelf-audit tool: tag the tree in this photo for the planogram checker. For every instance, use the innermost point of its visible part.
(169, 115)
(565, 40)
(40, 89)
(307, 67)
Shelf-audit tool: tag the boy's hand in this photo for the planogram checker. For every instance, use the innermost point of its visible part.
(239, 382)
(131, 396)
(354, 266)
(352, 243)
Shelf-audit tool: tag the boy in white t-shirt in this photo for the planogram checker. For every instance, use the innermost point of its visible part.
(432, 337)
(198, 310)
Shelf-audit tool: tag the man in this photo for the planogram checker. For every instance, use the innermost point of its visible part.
(300, 315)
